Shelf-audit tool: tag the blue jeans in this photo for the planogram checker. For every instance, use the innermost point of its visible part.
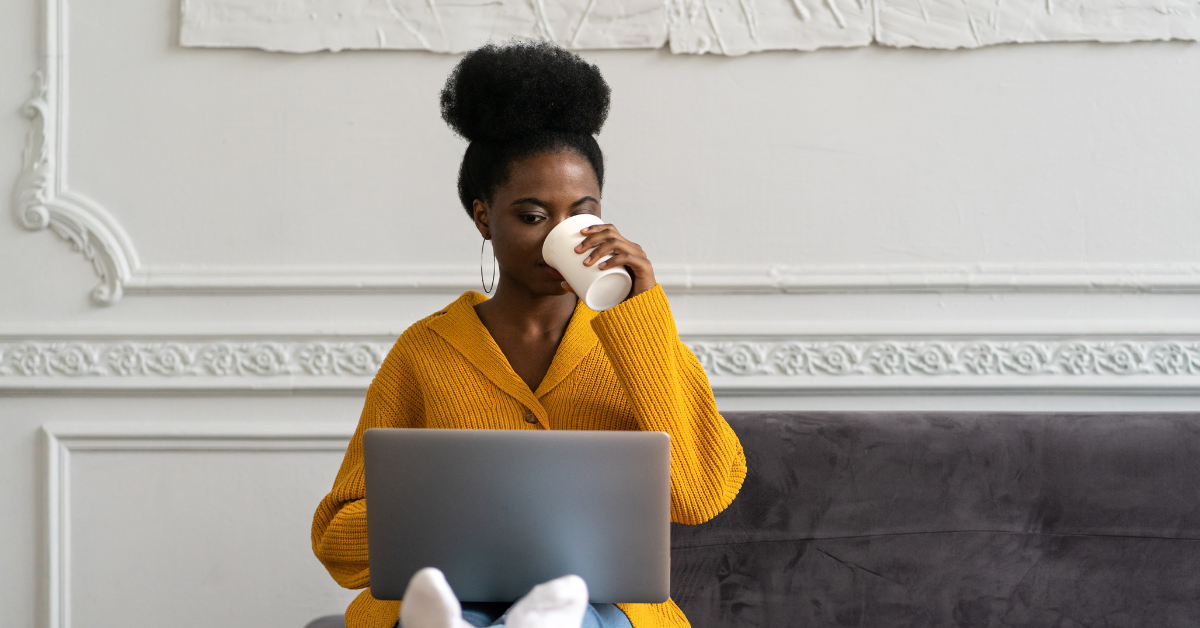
(597, 615)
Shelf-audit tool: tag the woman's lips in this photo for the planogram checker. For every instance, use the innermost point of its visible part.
(554, 274)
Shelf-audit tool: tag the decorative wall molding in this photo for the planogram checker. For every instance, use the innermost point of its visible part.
(734, 365)
(883, 278)
(43, 200)
(980, 358)
(689, 278)
(218, 364)
(975, 364)
(62, 440)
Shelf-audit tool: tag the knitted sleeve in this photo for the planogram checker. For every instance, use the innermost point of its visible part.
(339, 528)
(670, 393)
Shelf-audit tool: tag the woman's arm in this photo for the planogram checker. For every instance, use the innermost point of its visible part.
(339, 528)
(670, 393)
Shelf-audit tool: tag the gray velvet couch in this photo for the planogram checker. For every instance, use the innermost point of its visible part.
(951, 519)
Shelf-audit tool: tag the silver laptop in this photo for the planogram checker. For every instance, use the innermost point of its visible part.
(499, 511)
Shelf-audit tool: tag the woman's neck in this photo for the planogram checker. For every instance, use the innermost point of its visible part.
(527, 328)
(517, 309)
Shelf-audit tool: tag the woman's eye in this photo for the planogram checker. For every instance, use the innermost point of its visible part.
(531, 219)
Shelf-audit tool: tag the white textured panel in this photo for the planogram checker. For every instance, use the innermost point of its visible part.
(970, 24)
(735, 27)
(730, 27)
(421, 24)
(189, 525)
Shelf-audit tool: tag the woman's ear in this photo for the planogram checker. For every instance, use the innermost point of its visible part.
(479, 211)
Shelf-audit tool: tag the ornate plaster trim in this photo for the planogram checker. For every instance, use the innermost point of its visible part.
(733, 365)
(190, 363)
(949, 358)
(42, 200)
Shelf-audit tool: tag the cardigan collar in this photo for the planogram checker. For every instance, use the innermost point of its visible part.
(460, 326)
(577, 341)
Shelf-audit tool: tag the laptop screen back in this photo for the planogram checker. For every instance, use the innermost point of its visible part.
(499, 511)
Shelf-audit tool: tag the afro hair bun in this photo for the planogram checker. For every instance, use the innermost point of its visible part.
(502, 93)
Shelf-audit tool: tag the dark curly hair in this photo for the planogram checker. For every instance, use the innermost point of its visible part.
(518, 100)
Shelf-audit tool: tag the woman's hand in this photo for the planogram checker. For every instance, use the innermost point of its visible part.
(608, 241)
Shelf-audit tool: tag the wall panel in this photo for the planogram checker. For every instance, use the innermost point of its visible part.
(187, 524)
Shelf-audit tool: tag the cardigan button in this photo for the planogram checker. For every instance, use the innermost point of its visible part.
(529, 418)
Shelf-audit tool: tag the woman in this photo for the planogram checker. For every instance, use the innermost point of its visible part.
(533, 356)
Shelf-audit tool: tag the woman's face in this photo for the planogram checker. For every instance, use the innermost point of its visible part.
(542, 191)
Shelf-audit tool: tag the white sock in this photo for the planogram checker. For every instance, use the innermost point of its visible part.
(560, 603)
(429, 602)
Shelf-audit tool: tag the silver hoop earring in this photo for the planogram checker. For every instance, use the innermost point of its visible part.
(486, 288)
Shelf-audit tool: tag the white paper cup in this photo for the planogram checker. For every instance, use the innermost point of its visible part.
(599, 288)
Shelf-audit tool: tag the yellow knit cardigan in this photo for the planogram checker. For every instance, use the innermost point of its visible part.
(623, 369)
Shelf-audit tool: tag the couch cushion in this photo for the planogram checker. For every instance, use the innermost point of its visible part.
(952, 519)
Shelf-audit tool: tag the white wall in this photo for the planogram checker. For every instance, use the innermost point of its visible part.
(1011, 227)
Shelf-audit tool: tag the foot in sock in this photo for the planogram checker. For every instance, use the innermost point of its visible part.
(559, 603)
(429, 602)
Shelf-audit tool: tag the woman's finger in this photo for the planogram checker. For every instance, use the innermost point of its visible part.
(625, 259)
(596, 239)
(598, 228)
(596, 233)
(588, 246)
(608, 247)
(614, 247)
